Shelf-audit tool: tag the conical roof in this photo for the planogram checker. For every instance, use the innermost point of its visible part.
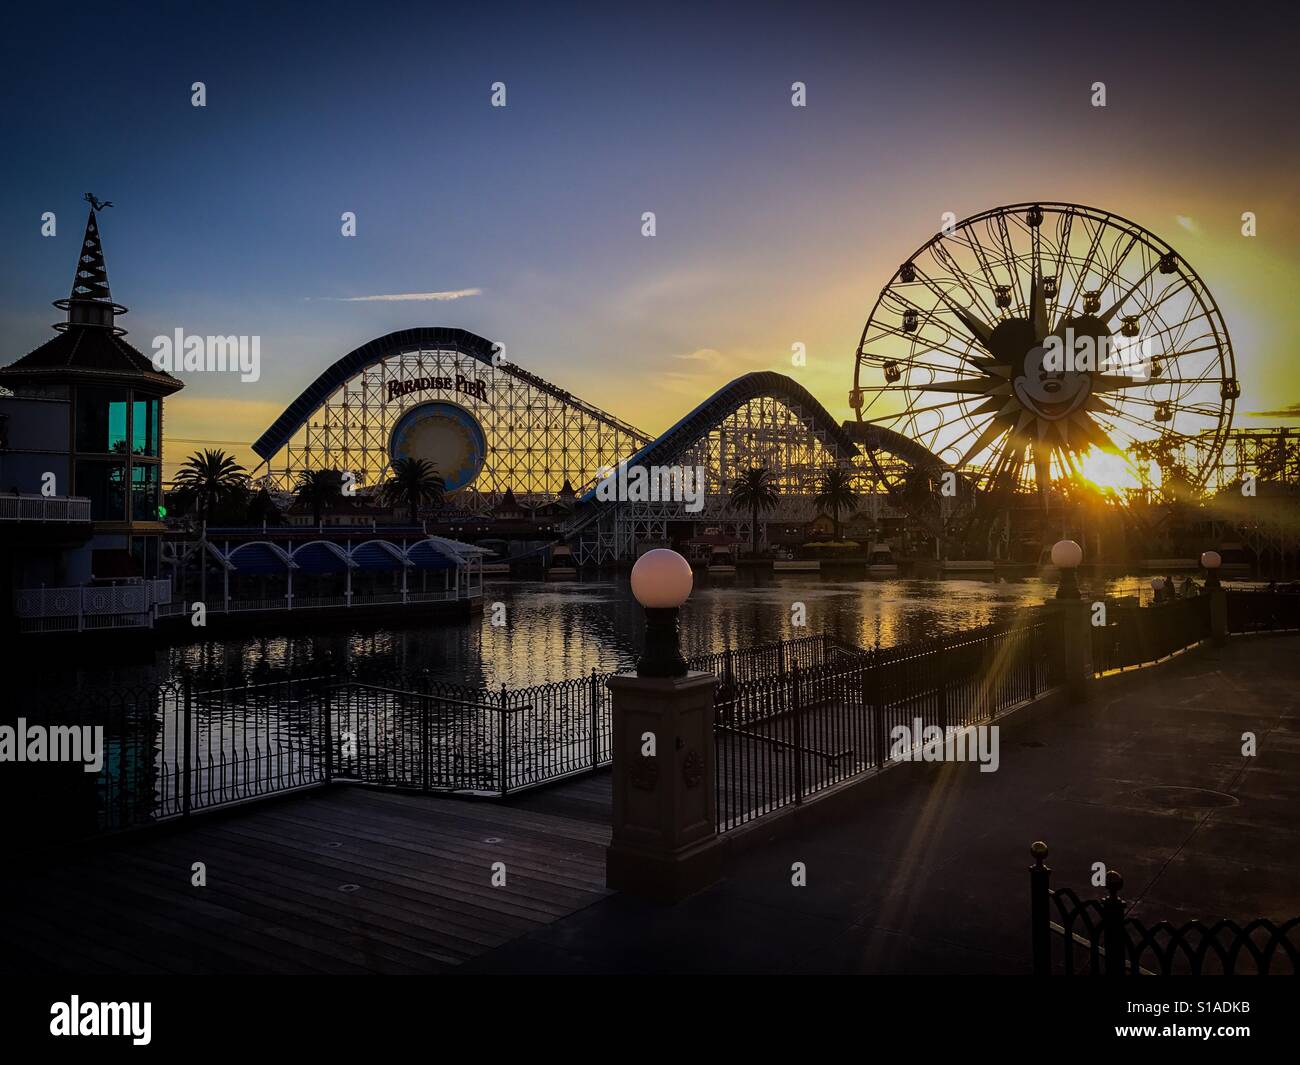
(89, 344)
(91, 279)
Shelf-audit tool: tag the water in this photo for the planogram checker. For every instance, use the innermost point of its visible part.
(556, 630)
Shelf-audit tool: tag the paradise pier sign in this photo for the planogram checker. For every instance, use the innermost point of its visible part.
(466, 386)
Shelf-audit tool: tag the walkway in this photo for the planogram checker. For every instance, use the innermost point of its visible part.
(930, 875)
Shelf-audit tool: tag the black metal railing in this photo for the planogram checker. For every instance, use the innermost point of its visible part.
(176, 748)
(170, 749)
(1138, 636)
(785, 737)
(1096, 937)
(1263, 611)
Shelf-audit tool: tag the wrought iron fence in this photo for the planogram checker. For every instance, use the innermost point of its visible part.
(166, 750)
(1096, 937)
(1137, 636)
(1263, 611)
(175, 748)
(784, 737)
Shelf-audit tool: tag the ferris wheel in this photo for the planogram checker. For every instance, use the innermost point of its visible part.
(1043, 342)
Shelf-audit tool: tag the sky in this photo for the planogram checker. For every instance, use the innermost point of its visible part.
(775, 225)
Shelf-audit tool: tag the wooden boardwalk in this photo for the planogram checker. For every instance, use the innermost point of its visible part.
(338, 880)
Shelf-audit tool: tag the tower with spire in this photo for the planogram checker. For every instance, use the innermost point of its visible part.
(112, 397)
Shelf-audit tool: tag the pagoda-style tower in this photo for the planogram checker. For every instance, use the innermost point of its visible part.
(113, 398)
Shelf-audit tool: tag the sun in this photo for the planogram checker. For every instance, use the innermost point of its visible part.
(1108, 470)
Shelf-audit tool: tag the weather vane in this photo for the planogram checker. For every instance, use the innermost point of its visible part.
(96, 204)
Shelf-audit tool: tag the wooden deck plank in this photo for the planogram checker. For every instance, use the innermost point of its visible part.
(532, 898)
(413, 918)
(273, 902)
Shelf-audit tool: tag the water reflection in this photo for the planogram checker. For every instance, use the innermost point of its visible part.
(564, 629)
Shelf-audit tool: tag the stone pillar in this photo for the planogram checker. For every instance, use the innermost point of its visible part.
(665, 842)
(1218, 614)
(1076, 645)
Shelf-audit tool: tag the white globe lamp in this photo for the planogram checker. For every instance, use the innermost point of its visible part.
(1066, 556)
(661, 582)
(1211, 560)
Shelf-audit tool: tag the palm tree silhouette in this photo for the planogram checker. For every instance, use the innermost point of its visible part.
(413, 483)
(755, 491)
(211, 476)
(319, 490)
(836, 493)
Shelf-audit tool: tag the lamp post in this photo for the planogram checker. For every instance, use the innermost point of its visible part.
(1076, 645)
(1212, 560)
(664, 841)
(1066, 556)
(661, 582)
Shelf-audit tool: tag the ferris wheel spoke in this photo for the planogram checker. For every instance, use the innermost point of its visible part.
(960, 276)
(1110, 313)
(978, 329)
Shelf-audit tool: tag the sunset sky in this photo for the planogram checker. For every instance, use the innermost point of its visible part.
(775, 224)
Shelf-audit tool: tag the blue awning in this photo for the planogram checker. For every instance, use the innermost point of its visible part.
(319, 558)
(427, 557)
(256, 558)
(374, 556)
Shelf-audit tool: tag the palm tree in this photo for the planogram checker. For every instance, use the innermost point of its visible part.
(836, 493)
(262, 509)
(318, 489)
(209, 477)
(413, 483)
(755, 491)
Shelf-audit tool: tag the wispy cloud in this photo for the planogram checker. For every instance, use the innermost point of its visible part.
(401, 297)
(1188, 223)
(1293, 411)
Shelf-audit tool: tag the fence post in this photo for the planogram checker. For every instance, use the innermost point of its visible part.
(1040, 913)
(594, 692)
(329, 734)
(1112, 910)
(424, 740)
(941, 669)
(187, 686)
(798, 734)
(878, 708)
(1033, 659)
(504, 740)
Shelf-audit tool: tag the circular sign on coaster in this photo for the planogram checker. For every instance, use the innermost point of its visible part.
(445, 435)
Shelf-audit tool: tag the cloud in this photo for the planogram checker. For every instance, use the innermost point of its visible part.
(1188, 224)
(398, 297)
(1292, 411)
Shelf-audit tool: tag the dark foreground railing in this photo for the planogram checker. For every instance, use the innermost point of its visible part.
(1075, 937)
(1263, 611)
(785, 737)
(1138, 636)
